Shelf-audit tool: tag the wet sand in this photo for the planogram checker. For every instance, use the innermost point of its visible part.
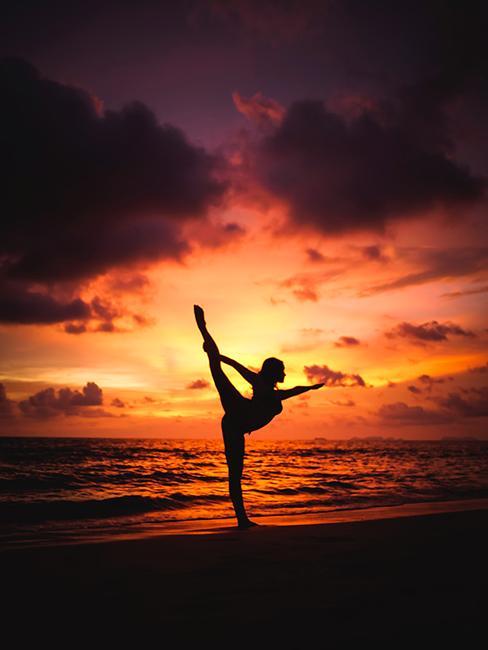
(402, 580)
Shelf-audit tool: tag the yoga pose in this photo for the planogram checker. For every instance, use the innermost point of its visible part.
(243, 415)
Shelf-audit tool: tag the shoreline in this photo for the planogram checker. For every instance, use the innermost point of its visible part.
(66, 537)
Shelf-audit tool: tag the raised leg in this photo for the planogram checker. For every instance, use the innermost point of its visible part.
(230, 397)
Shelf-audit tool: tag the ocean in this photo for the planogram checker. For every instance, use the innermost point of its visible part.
(70, 489)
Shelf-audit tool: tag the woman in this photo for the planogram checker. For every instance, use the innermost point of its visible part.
(243, 415)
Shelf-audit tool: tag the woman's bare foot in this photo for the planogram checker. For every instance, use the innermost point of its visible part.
(199, 317)
(246, 523)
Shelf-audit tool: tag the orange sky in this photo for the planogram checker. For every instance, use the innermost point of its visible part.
(264, 296)
(314, 178)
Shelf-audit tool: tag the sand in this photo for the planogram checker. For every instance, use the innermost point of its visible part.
(405, 580)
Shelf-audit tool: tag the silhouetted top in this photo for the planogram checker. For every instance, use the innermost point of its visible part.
(266, 399)
(258, 411)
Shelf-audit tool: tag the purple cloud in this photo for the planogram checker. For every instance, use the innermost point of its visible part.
(48, 403)
(339, 176)
(432, 331)
(198, 384)
(332, 378)
(106, 189)
(403, 414)
(475, 405)
(347, 341)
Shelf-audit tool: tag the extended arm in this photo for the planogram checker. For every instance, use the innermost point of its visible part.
(298, 390)
(248, 375)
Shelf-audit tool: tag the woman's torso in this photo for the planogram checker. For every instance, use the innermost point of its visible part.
(253, 414)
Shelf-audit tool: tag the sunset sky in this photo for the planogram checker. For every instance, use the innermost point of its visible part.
(314, 174)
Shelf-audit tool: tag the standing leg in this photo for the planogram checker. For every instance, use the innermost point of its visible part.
(234, 454)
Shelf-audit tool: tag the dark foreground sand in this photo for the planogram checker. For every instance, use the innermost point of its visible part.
(408, 581)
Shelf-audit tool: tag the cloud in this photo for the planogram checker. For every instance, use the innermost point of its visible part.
(332, 378)
(118, 403)
(337, 176)
(198, 384)
(402, 414)
(473, 406)
(74, 328)
(480, 369)
(260, 110)
(438, 264)
(347, 341)
(429, 382)
(465, 292)
(374, 253)
(313, 255)
(428, 332)
(276, 22)
(304, 286)
(22, 306)
(106, 189)
(6, 405)
(48, 403)
(415, 390)
(132, 283)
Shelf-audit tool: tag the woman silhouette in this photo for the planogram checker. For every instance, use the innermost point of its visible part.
(243, 415)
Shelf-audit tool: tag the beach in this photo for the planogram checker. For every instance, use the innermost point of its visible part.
(399, 579)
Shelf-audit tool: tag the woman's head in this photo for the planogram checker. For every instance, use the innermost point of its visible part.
(272, 370)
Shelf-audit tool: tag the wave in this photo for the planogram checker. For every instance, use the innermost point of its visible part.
(24, 512)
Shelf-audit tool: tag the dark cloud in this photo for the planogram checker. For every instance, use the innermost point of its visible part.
(106, 327)
(6, 405)
(428, 332)
(18, 305)
(480, 369)
(198, 384)
(313, 255)
(332, 378)
(429, 382)
(347, 341)
(465, 292)
(374, 253)
(21, 306)
(400, 413)
(475, 405)
(74, 328)
(436, 264)
(48, 403)
(118, 403)
(338, 176)
(414, 390)
(105, 188)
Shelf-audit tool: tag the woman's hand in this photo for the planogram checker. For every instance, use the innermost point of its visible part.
(316, 386)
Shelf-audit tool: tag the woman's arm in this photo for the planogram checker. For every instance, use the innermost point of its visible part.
(248, 375)
(298, 390)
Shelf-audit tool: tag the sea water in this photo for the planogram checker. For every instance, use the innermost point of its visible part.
(75, 486)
